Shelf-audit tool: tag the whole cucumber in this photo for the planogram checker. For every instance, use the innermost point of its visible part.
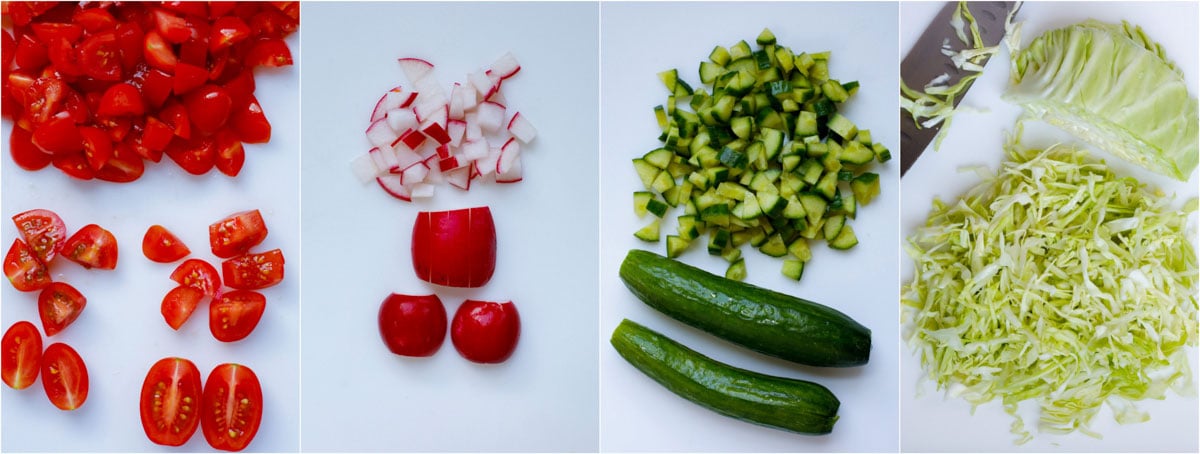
(784, 403)
(762, 320)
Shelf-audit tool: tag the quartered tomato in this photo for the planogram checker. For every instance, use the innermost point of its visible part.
(231, 155)
(226, 32)
(121, 99)
(195, 156)
(59, 305)
(124, 166)
(486, 332)
(208, 107)
(253, 271)
(270, 53)
(250, 122)
(23, 268)
(170, 401)
(233, 407)
(179, 304)
(162, 246)
(97, 146)
(92, 247)
(25, 154)
(198, 274)
(64, 376)
(43, 231)
(412, 325)
(237, 233)
(235, 315)
(21, 355)
(455, 248)
(100, 56)
(58, 136)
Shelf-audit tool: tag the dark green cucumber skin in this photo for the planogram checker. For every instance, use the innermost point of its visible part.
(762, 320)
(783, 403)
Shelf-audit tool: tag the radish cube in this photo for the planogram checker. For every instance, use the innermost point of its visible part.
(406, 158)
(509, 153)
(415, 173)
(487, 164)
(387, 102)
(443, 151)
(422, 190)
(412, 139)
(394, 185)
(379, 134)
(506, 66)
(481, 82)
(490, 115)
(474, 149)
(384, 158)
(473, 131)
(364, 168)
(415, 69)
(520, 127)
(436, 132)
(459, 178)
(512, 174)
(470, 96)
(448, 163)
(401, 120)
(455, 129)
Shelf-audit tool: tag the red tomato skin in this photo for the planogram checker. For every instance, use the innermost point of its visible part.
(237, 233)
(24, 153)
(97, 146)
(75, 166)
(455, 248)
(198, 274)
(124, 166)
(58, 136)
(209, 107)
(43, 230)
(21, 355)
(412, 325)
(231, 155)
(157, 401)
(231, 387)
(178, 305)
(196, 156)
(92, 247)
(58, 306)
(162, 246)
(235, 315)
(121, 99)
(23, 269)
(486, 332)
(64, 377)
(251, 122)
(254, 271)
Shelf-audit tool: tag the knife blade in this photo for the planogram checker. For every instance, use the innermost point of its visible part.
(926, 62)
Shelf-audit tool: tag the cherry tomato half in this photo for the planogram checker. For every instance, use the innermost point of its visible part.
(92, 247)
(412, 325)
(44, 232)
(59, 305)
(253, 271)
(485, 332)
(64, 376)
(21, 355)
(179, 304)
(235, 315)
(170, 401)
(162, 246)
(233, 406)
(24, 270)
(198, 274)
(455, 248)
(237, 233)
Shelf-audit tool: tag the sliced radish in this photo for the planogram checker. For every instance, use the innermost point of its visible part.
(422, 190)
(520, 127)
(415, 68)
(401, 120)
(364, 168)
(459, 177)
(490, 115)
(394, 185)
(509, 153)
(379, 134)
(456, 129)
(506, 66)
(512, 175)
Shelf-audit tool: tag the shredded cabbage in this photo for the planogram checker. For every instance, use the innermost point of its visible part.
(1054, 280)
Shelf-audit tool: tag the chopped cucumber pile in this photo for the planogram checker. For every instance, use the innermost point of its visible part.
(1059, 281)
(758, 154)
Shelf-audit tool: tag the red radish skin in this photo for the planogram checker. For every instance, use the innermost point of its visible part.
(486, 332)
(455, 248)
(412, 325)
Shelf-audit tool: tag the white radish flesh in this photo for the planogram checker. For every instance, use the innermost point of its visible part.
(520, 127)
(364, 168)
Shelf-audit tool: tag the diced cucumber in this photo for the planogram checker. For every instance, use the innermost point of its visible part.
(646, 171)
(660, 114)
(715, 215)
(849, 205)
(659, 157)
(676, 245)
(799, 249)
(881, 153)
(794, 209)
(827, 185)
(719, 55)
(842, 126)
(814, 207)
(662, 182)
(732, 254)
(688, 227)
(657, 207)
(770, 203)
(739, 50)
(710, 71)
(793, 269)
(736, 271)
(649, 232)
(718, 240)
(669, 79)
(774, 247)
(765, 38)
(833, 226)
(865, 187)
(748, 209)
(856, 153)
(845, 239)
(640, 200)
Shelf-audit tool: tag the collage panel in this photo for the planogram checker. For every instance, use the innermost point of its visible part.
(732, 153)
(1052, 306)
(385, 376)
(83, 189)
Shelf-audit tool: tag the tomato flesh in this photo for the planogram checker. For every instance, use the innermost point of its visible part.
(254, 271)
(25, 154)
(162, 246)
(250, 122)
(22, 355)
(198, 274)
(23, 268)
(234, 396)
(209, 107)
(237, 233)
(170, 401)
(412, 325)
(92, 247)
(235, 315)
(59, 305)
(455, 248)
(486, 332)
(178, 305)
(64, 377)
(44, 232)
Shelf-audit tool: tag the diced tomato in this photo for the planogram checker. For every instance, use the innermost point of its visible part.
(235, 315)
(95, 19)
(158, 52)
(187, 8)
(124, 166)
(45, 98)
(23, 268)
(58, 136)
(162, 246)
(25, 154)
(208, 107)
(92, 247)
(226, 32)
(270, 53)
(195, 156)
(157, 86)
(31, 53)
(231, 155)
(251, 122)
(172, 28)
(176, 116)
(100, 56)
(58, 306)
(75, 165)
(179, 304)
(131, 39)
(48, 31)
(97, 146)
(188, 77)
(198, 274)
(121, 99)
(272, 23)
(237, 233)
(43, 230)
(218, 9)
(254, 271)
(241, 87)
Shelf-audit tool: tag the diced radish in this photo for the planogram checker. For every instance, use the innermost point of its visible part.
(435, 131)
(506, 66)
(364, 168)
(496, 81)
(483, 85)
(470, 96)
(450, 163)
(379, 134)
(443, 151)
(475, 173)
(487, 164)
(394, 185)
(386, 102)
(475, 149)
(509, 153)
(520, 127)
(401, 120)
(384, 158)
(490, 115)
(455, 129)
(473, 132)
(406, 158)
(415, 68)
(415, 173)
(422, 190)
(513, 174)
(456, 102)
(459, 178)
(412, 139)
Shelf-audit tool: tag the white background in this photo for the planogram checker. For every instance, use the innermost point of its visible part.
(121, 332)
(641, 39)
(934, 423)
(357, 395)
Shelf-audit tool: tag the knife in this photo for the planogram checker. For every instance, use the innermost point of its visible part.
(925, 62)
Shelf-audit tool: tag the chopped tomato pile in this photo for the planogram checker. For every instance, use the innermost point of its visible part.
(98, 88)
